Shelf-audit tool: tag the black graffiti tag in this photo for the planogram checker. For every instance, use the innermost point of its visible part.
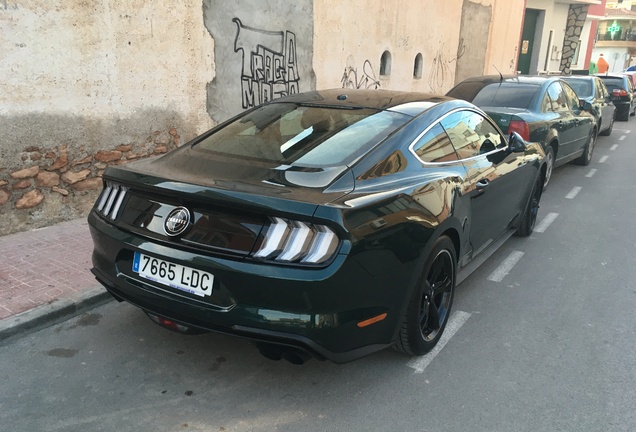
(270, 64)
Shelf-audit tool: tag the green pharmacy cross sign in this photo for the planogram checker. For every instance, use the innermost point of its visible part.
(613, 29)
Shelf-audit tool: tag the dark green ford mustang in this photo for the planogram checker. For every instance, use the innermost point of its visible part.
(329, 224)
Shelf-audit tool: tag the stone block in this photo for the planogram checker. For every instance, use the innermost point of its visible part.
(30, 199)
(60, 162)
(21, 184)
(47, 179)
(107, 156)
(59, 190)
(71, 177)
(88, 184)
(26, 173)
(4, 196)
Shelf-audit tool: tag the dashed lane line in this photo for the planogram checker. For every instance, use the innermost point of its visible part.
(614, 147)
(545, 222)
(505, 267)
(454, 323)
(603, 159)
(628, 131)
(591, 173)
(574, 192)
(622, 137)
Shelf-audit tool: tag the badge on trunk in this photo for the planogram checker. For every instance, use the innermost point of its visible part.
(177, 221)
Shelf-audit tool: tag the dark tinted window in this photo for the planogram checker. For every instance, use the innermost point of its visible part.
(471, 134)
(583, 88)
(288, 133)
(435, 146)
(614, 83)
(510, 95)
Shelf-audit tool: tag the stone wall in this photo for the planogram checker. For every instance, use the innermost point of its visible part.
(576, 20)
(87, 84)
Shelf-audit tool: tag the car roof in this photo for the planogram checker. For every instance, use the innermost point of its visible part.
(412, 102)
(514, 79)
(615, 75)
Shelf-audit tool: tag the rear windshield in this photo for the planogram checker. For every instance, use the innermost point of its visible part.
(582, 87)
(509, 95)
(289, 133)
(613, 83)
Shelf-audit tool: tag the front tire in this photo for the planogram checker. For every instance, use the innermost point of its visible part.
(430, 303)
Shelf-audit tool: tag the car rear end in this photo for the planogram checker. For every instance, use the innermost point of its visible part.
(506, 102)
(208, 239)
(621, 96)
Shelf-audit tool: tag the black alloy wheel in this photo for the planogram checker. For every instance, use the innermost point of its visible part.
(430, 304)
(529, 219)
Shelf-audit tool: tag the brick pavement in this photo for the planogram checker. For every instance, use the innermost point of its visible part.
(42, 266)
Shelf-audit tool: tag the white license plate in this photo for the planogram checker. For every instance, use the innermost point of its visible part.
(183, 278)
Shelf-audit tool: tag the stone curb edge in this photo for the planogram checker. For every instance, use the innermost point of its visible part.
(53, 313)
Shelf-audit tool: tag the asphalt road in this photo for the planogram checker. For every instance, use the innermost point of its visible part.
(543, 340)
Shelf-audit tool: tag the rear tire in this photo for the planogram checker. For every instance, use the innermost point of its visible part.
(549, 165)
(608, 131)
(588, 151)
(529, 218)
(430, 303)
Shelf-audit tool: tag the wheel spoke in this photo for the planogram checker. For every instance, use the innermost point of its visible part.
(435, 272)
(433, 320)
(442, 287)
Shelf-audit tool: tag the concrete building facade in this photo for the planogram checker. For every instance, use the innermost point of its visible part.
(88, 84)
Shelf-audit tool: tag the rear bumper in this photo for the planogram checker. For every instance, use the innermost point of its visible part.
(314, 310)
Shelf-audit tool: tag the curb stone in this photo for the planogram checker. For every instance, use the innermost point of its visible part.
(53, 313)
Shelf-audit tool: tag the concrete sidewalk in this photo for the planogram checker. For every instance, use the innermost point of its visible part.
(45, 277)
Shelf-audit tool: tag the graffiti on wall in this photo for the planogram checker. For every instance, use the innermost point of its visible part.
(366, 80)
(440, 67)
(270, 65)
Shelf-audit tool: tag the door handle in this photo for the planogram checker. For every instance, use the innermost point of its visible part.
(482, 184)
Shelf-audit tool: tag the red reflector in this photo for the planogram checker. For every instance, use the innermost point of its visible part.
(619, 92)
(521, 128)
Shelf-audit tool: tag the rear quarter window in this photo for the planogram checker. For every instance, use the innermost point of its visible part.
(506, 95)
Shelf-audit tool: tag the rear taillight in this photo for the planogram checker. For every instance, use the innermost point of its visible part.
(297, 242)
(109, 202)
(619, 92)
(521, 128)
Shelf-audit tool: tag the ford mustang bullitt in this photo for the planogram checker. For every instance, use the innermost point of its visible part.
(327, 224)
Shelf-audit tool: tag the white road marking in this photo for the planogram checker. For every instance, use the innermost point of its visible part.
(622, 137)
(603, 159)
(614, 147)
(628, 131)
(505, 267)
(454, 323)
(591, 173)
(574, 192)
(545, 223)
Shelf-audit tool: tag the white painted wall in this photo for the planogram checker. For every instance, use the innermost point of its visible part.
(555, 19)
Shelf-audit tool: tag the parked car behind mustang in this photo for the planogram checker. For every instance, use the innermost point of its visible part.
(541, 109)
(597, 100)
(622, 91)
(329, 224)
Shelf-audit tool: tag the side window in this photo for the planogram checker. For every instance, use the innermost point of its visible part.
(546, 104)
(435, 146)
(471, 134)
(599, 89)
(559, 100)
(573, 99)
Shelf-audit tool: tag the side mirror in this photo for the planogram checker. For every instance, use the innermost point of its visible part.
(516, 144)
(585, 105)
